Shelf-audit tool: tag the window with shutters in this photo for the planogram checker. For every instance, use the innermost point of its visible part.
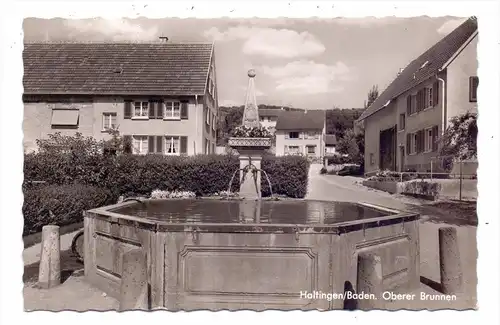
(411, 105)
(473, 84)
(428, 98)
(108, 121)
(140, 144)
(413, 144)
(172, 145)
(402, 121)
(429, 140)
(141, 109)
(172, 110)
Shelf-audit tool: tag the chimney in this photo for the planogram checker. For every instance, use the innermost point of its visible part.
(163, 38)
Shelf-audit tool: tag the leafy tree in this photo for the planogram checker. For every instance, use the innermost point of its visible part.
(372, 95)
(353, 145)
(459, 140)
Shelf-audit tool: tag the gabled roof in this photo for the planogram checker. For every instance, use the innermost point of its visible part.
(116, 68)
(425, 66)
(270, 112)
(301, 120)
(330, 139)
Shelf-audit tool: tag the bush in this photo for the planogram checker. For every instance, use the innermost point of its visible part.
(65, 203)
(323, 171)
(288, 176)
(422, 187)
(132, 175)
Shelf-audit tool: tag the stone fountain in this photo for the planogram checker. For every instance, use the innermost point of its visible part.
(250, 148)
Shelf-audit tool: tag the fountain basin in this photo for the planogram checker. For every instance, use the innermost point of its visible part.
(231, 254)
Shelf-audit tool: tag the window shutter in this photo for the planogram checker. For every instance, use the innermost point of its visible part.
(435, 93)
(473, 84)
(151, 144)
(127, 110)
(159, 110)
(152, 110)
(159, 144)
(435, 138)
(419, 100)
(408, 105)
(184, 110)
(408, 143)
(184, 145)
(421, 139)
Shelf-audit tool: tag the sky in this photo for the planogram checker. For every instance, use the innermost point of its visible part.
(303, 63)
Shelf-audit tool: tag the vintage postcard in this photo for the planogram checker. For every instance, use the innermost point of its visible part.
(251, 163)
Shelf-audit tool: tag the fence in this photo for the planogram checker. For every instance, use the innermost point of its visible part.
(458, 178)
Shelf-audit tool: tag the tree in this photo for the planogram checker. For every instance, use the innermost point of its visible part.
(459, 140)
(353, 145)
(372, 95)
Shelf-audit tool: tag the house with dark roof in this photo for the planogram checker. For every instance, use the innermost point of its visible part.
(301, 133)
(269, 117)
(330, 144)
(162, 96)
(403, 125)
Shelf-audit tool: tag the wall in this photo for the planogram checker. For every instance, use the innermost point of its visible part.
(37, 122)
(381, 120)
(421, 120)
(464, 66)
(281, 142)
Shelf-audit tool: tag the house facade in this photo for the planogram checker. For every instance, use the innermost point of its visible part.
(403, 125)
(162, 96)
(301, 133)
(330, 144)
(269, 118)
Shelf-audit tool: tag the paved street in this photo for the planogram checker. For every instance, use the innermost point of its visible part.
(338, 188)
(322, 187)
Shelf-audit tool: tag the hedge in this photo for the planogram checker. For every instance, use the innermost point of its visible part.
(65, 203)
(140, 175)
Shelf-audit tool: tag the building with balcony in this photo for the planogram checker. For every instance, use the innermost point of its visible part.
(163, 96)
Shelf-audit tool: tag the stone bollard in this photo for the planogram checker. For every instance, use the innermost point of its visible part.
(369, 280)
(134, 292)
(449, 261)
(50, 260)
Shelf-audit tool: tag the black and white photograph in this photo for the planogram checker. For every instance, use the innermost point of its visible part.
(257, 164)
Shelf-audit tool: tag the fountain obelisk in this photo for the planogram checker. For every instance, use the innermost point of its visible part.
(250, 149)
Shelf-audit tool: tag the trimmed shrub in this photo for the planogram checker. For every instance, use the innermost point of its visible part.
(60, 204)
(288, 176)
(132, 175)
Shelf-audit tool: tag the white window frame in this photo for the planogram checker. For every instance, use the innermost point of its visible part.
(311, 153)
(428, 98)
(298, 135)
(169, 141)
(142, 147)
(106, 125)
(290, 152)
(144, 110)
(214, 122)
(170, 108)
(311, 135)
(413, 144)
(428, 138)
